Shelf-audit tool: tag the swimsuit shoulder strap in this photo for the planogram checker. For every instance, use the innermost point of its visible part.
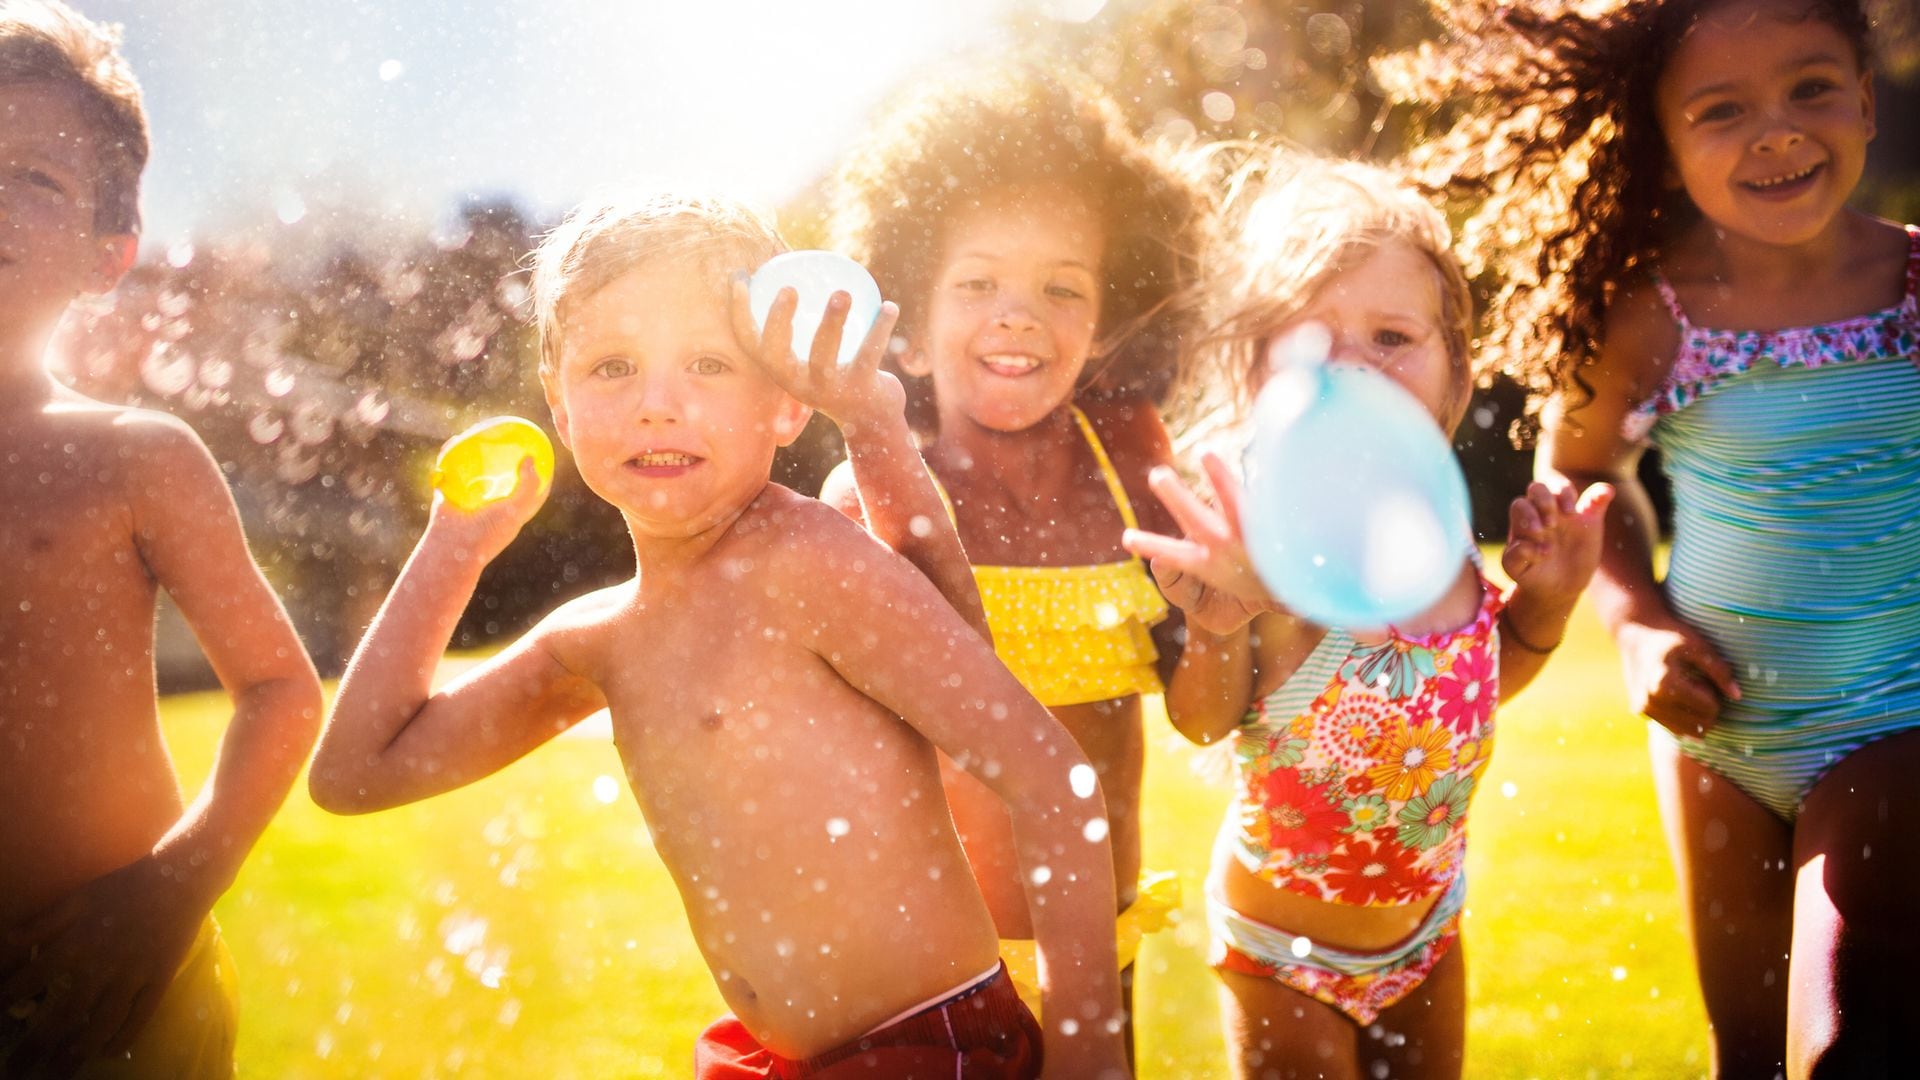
(1114, 488)
(1670, 298)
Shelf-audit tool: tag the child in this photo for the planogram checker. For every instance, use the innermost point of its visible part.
(778, 683)
(1686, 166)
(110, 965)
(1338, 877)
(1038, 246)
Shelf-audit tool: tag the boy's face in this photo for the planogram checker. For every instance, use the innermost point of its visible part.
(667, 417)
(49, 251)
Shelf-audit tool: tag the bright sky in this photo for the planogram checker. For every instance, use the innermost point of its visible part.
(292, 107)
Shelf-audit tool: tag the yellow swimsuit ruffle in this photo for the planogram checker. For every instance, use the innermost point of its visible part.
(1152, 910)
(1072, 634)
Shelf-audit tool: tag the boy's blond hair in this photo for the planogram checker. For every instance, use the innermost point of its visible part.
(1286, 222)
(606, 238)
(47, 41)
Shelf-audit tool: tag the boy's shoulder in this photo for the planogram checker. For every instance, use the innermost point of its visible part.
(125, 426)
(786, 533)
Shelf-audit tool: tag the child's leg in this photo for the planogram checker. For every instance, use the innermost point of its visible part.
(1425, 1033)
(1852, 1008)
(1730, 856)
(1277, 1033)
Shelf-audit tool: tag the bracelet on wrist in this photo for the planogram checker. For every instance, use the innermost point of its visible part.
(1511, 634)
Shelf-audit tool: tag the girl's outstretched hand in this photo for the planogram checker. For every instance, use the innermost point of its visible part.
(1553, 538)
(1206, 574)
(855, 395)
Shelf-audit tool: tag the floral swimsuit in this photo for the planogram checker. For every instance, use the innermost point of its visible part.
(1354, 779)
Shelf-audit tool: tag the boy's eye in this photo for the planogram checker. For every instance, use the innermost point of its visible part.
(1064, 292)
(613, 368)
(974, 285)
(1811, 88)
(709, 365)
(1391, 339)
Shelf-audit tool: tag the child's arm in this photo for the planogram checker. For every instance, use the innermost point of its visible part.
(1553, 542)
(1207, 575)
(892, 493)
(117, 941)
(389, 740)
(910, 651)
(1674, 675)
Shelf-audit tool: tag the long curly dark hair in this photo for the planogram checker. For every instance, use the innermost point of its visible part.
(954, 142)
(1555, 148)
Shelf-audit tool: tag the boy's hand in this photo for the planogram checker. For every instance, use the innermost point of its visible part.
(97, 964)
(856, 395)
(484, 532)
(1553, 539)
(1675, 677)
(1207, 574)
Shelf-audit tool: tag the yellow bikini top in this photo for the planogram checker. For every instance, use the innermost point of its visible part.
(1074, 634)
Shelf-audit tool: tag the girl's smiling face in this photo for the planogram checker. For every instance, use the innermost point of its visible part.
(1767, 112)
(1384, 311)
(1014, 306)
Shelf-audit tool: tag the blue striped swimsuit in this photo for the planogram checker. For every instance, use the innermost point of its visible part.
(1794, 457)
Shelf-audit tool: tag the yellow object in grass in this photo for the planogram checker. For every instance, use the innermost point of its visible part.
(1153, 908)
(482, 464)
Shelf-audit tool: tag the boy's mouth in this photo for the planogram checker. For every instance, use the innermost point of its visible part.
(1785, 185)
(1011, 365)
(661, 463)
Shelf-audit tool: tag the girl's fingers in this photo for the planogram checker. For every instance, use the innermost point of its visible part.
(1226, 489)
(139, 1012)
(1523, 520)
(1195, 518)
(1705, 659)
(1182, 556)
(1594, 501)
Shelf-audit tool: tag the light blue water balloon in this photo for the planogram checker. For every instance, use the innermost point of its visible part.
(1356, 511)
(816, 276)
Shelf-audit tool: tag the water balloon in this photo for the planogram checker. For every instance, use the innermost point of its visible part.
(482, 464)
(816, 276)
(1356, 511)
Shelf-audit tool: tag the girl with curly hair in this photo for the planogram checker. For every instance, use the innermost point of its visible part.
(1665, 192)
(1037, 248)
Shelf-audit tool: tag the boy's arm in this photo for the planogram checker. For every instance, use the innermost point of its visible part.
(117, 941)
(1674, 675)
(891, 491)
(911, 652)
(389, 740)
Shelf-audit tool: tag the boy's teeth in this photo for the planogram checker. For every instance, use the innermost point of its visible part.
(658, 459)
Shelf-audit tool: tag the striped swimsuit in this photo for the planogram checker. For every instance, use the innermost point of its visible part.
(1794, 457)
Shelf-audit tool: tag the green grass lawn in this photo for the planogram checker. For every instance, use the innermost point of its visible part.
(523, 927)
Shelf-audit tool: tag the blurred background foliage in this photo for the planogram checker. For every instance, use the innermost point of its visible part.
(325, 367)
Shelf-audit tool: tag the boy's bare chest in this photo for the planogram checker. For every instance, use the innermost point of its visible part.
(63, 521)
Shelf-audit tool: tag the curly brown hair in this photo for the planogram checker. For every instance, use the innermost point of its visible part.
(1557, 149)
(947, 146)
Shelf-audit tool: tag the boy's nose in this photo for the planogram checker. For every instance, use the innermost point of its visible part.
(1015, 312)
(659, 402)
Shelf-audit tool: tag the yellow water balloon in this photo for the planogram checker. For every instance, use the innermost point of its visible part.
(482, 464)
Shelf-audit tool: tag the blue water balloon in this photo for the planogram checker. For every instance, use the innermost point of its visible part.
(1356, 512)
(816, 276)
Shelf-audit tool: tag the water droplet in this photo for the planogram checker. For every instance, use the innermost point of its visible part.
(311, 423)
(180, 255)
(1619, 974)
(1082, 779)
(1042, 874)
(838, 827)
(1096, 830)
(1509, 789)
(167, 371)
(265, 427)
(372, 407)
(278, 380)
(1301, 947)
(391, 70)
(606, 789)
